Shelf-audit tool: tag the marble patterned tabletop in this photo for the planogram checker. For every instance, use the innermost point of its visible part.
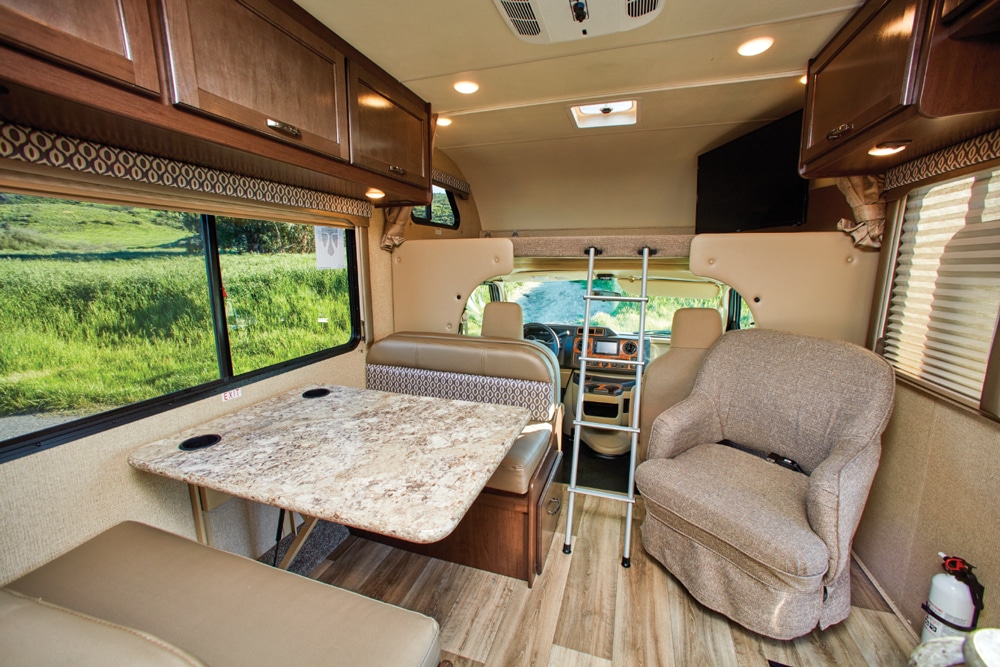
(400, 465)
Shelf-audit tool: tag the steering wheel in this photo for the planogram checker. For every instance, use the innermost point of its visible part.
(543, 335)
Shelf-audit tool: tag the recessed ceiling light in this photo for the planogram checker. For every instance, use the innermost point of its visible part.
(374, 193)
(443, 122)
(888, 148)
(466, 87)
(755, 47)
(804, 79)
(606, 114)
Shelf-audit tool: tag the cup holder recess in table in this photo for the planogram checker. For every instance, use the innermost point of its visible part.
(200, 442)
(318, 392)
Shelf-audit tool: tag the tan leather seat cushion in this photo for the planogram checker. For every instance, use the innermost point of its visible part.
(497, 357)
(518, 467)
(503, 319)
(33, 632)
(225, 609)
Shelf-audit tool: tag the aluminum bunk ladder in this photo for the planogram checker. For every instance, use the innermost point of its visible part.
(580, 422)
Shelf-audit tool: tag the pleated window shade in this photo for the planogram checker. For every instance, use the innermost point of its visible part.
(943, 309)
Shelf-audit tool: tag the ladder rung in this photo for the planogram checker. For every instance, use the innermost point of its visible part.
(625, 299)
(605, 427)
(612, 495)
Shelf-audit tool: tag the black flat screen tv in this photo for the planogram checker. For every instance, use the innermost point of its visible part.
(753, 181)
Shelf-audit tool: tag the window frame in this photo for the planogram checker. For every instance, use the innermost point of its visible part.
(36, 441)
(989, 403)
(429, 222)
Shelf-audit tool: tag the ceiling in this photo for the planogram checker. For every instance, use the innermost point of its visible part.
(529, 166)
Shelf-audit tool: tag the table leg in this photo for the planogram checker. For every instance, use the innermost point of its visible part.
(296, 545)
(200, 530)
(277, 537)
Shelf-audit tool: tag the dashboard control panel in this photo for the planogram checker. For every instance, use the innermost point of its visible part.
(610, 351)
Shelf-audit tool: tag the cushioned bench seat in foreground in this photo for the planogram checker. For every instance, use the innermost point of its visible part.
(136, 595)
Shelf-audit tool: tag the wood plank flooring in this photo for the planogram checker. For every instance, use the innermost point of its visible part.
(586, 610)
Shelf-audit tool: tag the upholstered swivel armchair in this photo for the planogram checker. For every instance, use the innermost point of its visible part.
(764, 544)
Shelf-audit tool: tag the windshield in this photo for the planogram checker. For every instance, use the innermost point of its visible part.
(561, 302)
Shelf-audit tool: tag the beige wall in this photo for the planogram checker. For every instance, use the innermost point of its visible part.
(56, 499)
(812, 283)
(937, 489)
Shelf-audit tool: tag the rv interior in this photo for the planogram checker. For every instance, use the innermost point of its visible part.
(524, 332)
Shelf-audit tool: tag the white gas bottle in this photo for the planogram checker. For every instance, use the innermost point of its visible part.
(954, 600)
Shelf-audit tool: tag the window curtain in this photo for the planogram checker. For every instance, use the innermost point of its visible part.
(397, 217)
(864, 195)
(941, 325)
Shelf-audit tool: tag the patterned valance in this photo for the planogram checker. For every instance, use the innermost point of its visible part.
(23, 143)
(448, 181)
(969, 153)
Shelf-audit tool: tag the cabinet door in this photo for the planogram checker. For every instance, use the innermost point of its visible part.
(390, 128)
(865, 74)
(110, 38)
(249, 63)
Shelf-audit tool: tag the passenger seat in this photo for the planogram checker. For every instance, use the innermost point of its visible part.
(670, 377)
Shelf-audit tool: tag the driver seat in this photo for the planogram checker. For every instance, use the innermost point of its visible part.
(503, 319)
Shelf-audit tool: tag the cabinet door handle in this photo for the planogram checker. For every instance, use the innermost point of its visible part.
(553, 510)
(397, 170)
(285, 128)
(838, 132)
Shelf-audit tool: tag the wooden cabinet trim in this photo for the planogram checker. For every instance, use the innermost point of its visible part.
(411, 168)
(57, 99)
(135, 65)
(819, 124)
(188, 92)
(952, 93)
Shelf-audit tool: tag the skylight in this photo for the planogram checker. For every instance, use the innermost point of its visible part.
(606, 114)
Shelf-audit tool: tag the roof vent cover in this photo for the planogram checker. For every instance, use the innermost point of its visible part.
(521, 17)
(637, 8)
(547, 21)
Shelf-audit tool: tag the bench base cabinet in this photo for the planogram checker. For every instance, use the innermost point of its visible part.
(502, 532)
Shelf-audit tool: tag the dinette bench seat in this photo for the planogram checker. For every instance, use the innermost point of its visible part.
(509, 528)
(136, 595)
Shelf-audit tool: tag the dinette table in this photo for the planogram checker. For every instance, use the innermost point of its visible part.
(396, 464)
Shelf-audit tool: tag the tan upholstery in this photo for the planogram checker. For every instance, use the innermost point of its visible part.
(225, 609)
(34, 632)
(764, 545)
(518, 467)
(503, 319)
(453, 353)
(669, 378)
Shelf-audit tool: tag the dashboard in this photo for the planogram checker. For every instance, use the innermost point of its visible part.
(611, 350)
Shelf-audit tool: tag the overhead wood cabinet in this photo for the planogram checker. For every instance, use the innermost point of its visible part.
(895, 76)
(249, 63)
(390, 127)
(112, 39)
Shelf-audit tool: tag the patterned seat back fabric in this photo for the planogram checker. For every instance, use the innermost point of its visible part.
(535, 396)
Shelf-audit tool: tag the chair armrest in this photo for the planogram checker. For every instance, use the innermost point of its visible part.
(693, 421)
(838, 490)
